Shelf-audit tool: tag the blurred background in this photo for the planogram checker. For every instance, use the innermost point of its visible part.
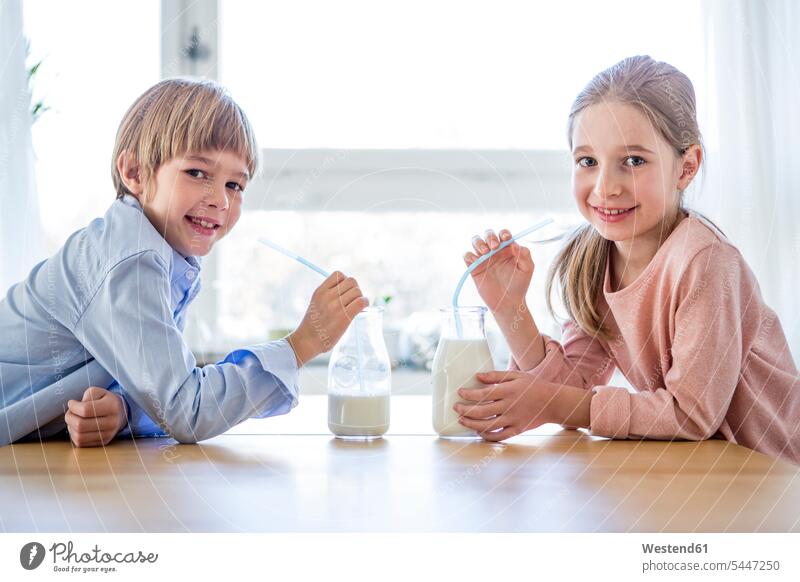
(391, 133)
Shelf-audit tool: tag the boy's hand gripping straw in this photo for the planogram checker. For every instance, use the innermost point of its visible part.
(325, 274)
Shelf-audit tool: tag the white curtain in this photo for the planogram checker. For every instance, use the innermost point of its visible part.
(21, 243)
(752, 183)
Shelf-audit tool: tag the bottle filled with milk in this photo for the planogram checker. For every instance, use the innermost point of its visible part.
(360, 379)
(462, 352)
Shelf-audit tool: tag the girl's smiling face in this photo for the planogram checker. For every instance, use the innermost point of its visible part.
(196, 199)
(626, 177)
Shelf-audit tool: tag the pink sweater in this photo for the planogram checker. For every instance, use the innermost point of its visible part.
(707, 356)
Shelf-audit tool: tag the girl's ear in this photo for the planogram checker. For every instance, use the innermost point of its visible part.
(690, 164)
(128, 168)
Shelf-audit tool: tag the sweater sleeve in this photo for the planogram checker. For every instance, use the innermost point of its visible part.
(706, 358)
(579, 360)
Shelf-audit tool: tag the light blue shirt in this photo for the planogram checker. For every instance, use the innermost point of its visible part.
(108, 310)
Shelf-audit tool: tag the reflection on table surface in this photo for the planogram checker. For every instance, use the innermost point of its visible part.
(546, 480)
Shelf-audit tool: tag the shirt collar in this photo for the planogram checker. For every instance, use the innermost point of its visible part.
(183, 271)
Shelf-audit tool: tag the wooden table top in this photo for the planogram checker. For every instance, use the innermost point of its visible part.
(250, 480)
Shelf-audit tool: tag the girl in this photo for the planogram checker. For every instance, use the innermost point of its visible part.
(650, 288)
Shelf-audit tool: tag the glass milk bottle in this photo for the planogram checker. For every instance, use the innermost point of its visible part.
(360, 379)
(460, 355)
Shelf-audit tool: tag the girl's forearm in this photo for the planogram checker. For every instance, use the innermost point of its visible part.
(570, 406)
(522, 335)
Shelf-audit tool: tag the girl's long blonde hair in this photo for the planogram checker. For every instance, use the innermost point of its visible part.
(666, 97)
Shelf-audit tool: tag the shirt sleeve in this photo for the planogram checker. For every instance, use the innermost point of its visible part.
(706, 359)
(128, 327)
(138, 424)
(180, 316)
(579, 360)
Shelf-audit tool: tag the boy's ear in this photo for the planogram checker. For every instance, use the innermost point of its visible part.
(128, 168)
(690, 165)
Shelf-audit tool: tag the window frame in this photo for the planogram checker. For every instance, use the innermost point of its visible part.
(411, 179)
(372, 180)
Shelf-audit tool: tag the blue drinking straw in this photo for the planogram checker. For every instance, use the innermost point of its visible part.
(296, 257)
(325, 274)
(486, 257)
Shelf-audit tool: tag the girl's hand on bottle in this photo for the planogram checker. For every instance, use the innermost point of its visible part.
(333, 306)
(96, 419)
(513, 402)
(503, 280)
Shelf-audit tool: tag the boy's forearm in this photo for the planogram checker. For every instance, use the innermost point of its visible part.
(304, 349)
(522, 335)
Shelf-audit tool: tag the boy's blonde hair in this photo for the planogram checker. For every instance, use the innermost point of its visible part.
(666, 97)
(178, 116)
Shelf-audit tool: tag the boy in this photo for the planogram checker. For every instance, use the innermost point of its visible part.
(99, 325)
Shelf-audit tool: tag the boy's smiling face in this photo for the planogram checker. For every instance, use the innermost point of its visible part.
(196, 199)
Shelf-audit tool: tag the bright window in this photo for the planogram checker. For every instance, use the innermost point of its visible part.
(445, 74)
(459, 80)
(458, 77)
(89, 76)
